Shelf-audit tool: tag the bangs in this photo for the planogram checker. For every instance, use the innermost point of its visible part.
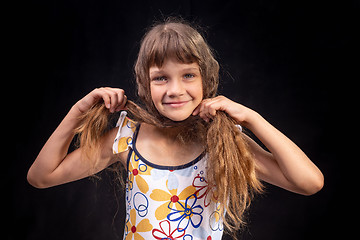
(171, 45)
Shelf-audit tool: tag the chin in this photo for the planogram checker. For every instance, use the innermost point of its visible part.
(177, 117)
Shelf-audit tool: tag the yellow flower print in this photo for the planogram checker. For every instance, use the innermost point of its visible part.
(136, 171)
(171, 200)
(127, 126)
(123, 143)
(134, 229)
(214, 222)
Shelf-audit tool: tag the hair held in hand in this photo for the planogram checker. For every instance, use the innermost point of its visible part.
(231, 167)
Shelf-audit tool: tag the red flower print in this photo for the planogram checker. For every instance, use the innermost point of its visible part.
(203, 190)
(165, 232)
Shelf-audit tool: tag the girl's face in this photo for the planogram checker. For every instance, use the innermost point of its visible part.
(176, 89)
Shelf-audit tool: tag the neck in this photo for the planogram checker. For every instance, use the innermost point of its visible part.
(169, 134)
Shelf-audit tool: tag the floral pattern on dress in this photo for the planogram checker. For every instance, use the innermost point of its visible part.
(135, 229)
(166, 202)
(123, 139)
(204, 190)
(171, 199)
(136, 171)
(166, 233)
(188, 213)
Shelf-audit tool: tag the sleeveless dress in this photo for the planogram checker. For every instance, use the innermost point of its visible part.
(166, 202)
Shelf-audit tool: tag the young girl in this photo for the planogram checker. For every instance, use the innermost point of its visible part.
(191, 171)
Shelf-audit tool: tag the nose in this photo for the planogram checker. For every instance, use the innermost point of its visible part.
(176, 88)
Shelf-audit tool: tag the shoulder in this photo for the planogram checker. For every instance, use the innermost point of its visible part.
(125, 129)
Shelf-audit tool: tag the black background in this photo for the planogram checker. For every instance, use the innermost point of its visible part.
(291, 61)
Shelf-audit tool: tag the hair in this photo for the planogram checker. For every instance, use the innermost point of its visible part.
(231, 166)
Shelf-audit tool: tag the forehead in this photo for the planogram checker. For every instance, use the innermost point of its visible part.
(175, 42)
(174, 66)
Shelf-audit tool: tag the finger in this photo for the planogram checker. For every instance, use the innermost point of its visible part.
(204, 115)
(106, 99)
(122, 99)
(213, 106)
(113, 99)
(122, 104)
(203, 105)
(212, 111)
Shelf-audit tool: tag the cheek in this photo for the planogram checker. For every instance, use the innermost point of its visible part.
(152, 95)
(156, 97)
(198, 92)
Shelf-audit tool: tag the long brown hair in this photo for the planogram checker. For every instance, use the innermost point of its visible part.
(231, 166)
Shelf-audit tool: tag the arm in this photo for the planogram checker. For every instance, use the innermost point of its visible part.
(285, 165)
(53, 165)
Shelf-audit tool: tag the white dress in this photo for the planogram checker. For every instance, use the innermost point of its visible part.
(166, 202)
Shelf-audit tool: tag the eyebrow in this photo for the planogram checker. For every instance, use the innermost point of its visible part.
(191, 69)
(183, 70)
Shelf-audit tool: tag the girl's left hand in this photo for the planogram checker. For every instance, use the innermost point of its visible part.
(208, 107)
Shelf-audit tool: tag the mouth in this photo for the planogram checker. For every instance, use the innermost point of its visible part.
(175, 104)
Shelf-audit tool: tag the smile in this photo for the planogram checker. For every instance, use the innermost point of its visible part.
(176, 104)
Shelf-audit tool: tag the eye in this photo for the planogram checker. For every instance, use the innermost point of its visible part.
(160, 79)
(189, 75)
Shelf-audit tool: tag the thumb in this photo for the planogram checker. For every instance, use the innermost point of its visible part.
(196, 110)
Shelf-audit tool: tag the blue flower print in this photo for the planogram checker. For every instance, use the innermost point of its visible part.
(171, 175)
(188, 237)
(141, 204)
(187, 213)
(215, 221)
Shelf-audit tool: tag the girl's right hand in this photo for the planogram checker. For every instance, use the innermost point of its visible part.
(114, 99)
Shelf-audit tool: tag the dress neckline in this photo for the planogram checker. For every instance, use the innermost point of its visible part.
(163, 167)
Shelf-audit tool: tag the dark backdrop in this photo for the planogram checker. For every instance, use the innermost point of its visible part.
(288, 60)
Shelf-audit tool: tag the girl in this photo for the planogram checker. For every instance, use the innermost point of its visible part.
(191, 171)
